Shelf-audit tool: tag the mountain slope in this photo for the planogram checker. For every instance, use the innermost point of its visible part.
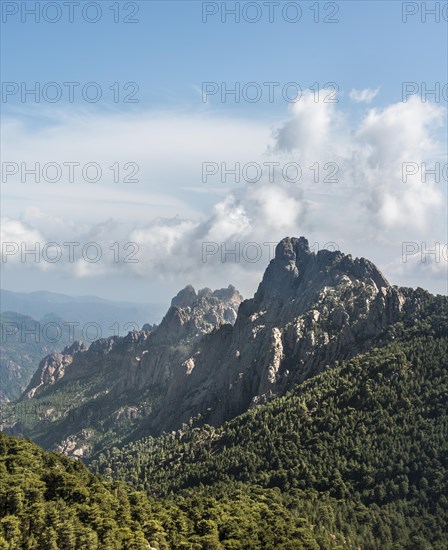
(309, 310)
(327, 395)
(24, 341)
(85, 398)
(206, 362)
(359, 452)
(50, 502)
(371, 433)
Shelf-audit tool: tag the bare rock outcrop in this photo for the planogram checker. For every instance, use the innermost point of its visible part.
(52, 368)
(213, 356)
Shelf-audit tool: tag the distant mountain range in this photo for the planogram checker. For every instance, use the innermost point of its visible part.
(38, 323)
(114, 317)
(22, 346)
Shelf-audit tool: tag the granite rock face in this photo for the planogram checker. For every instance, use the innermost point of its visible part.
(214, 355)
(52, 368)
(190, 316)
(23, 342)
(309, 311)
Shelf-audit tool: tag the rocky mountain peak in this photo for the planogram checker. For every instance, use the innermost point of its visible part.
(76, 347)
(194, 313)
(294, 249)
(296, 269)
(215, 355)
(229, 295)
(52, 368)
(185, 297)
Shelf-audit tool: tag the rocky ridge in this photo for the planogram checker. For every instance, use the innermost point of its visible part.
(213, 356)
(52, 368)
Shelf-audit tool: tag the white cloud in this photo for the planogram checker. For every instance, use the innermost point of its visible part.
(169, 149)
(370, 158)
(385, 140)
(363, 96)
(17, 237)
(368, 207)
(309, 129)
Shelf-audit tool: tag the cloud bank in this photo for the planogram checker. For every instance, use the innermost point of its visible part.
(361, 186)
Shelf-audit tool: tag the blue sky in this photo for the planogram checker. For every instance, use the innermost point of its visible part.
(171, 51)
(170, 132)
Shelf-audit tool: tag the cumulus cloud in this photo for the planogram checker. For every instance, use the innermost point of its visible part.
(15, 237)
(309, 128)
(171, 247)
(388, 142)
(381, 159)
(351, 188)
(400, 131)
(363, 96)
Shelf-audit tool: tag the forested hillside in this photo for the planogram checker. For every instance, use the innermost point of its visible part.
(353, 453)
(353, 458)
(50, 502)
(214, 356)
(371, 435)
